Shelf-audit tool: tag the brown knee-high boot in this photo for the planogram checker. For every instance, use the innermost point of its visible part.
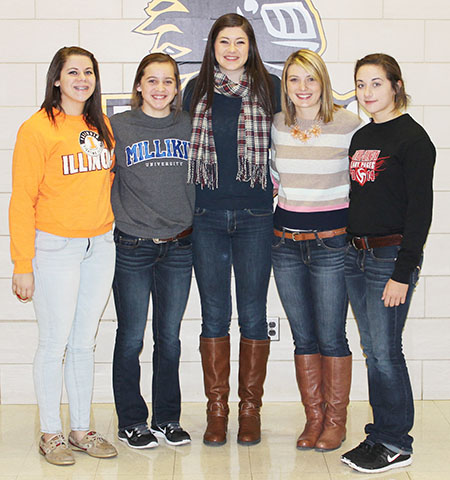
(308, 369)
(215, 353)
(253, 355)
(337, 378)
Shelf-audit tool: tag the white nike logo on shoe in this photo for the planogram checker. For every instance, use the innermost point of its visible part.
(129, 434)
(391, 459)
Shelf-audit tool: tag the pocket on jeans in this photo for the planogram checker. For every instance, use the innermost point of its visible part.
(338, 243)
(184, 243)
(47, 242)
(108, 236)
(259, 212)
(385, 254)
(123, 240)
(277, 242)
(199, 211)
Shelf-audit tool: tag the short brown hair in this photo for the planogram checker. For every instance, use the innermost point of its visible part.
(136, 96)
(393, 74)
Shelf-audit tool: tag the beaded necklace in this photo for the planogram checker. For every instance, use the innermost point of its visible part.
(304, 135)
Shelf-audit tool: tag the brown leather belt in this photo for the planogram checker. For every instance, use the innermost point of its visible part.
(364, 243)
(299, 236)
(184, 233)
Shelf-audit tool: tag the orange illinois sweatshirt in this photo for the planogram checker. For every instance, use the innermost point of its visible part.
(61, 184)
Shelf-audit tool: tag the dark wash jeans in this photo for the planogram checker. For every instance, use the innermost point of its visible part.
(164, 270)
(242, 239)
(380, 328)
(310, 280)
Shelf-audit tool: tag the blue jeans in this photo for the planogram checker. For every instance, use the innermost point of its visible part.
(164, 270)
(310, 280)
(380, 328)
(242, 239)
(73, 281)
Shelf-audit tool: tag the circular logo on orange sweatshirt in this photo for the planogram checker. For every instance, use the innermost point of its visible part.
(90, 143)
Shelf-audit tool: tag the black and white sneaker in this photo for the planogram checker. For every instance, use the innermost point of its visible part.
(138, 437)
(380, 459)
(172, 433)
(361, 451)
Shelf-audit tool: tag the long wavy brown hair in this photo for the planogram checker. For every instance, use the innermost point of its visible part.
(92, 111)
(260, 82)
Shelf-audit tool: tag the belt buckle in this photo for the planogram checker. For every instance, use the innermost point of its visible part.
(157, 241)
(293, 236)
(364, 243)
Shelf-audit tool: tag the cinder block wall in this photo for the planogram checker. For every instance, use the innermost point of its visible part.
(416, 33)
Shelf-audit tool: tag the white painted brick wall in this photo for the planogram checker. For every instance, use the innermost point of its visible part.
(30, 41)
(437, 37)
(49, 9)
(417, 34)
(350, 9)
(402, 39)
(106, 39)
(431, 9)
(16, 10)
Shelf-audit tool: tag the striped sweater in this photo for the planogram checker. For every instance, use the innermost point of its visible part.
(312, 178)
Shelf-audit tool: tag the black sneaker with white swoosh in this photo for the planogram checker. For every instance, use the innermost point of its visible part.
(138, 437)
(379, 459)
(172, 433)
(355, 454)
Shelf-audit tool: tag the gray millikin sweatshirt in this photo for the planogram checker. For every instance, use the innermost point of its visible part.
(150, 195)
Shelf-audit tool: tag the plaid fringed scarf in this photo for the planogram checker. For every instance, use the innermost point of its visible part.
(252, 138)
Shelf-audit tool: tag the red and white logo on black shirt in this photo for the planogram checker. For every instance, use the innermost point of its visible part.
(365, 165)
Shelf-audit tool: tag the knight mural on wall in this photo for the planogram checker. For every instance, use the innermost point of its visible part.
(280, 27)
(180, 27)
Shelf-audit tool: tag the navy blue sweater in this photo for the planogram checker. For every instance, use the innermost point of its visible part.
(231, 194)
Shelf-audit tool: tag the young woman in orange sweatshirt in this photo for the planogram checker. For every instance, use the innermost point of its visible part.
(61, 244)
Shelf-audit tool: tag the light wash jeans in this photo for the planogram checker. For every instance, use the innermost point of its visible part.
(73, 279)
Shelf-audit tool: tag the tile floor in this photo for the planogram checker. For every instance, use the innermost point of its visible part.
(275, 458)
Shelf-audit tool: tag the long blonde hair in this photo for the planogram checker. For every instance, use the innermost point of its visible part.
(315, 66)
